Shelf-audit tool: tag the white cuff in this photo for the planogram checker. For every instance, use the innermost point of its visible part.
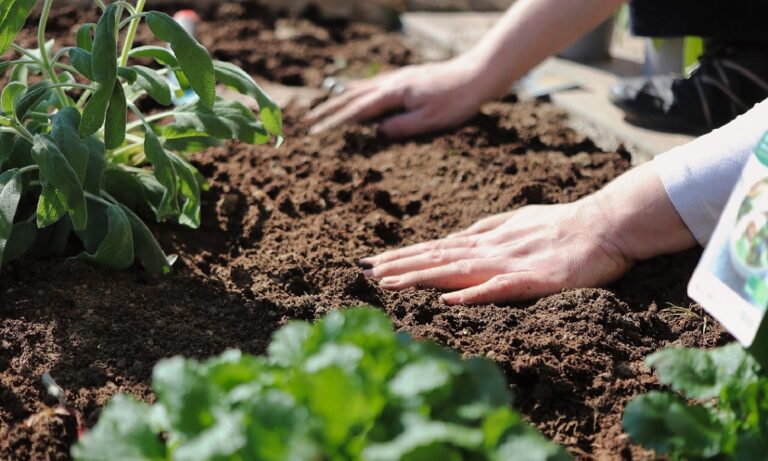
(699, 176)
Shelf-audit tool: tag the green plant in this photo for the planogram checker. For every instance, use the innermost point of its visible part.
(728, 418)
(346, 388)
(72, 160)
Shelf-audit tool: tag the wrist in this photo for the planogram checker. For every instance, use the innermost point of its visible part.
(639, 217)
(480, 76)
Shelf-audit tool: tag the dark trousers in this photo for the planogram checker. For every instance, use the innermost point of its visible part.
(728, 20)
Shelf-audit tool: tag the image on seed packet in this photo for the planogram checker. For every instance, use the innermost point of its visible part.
(731, 280)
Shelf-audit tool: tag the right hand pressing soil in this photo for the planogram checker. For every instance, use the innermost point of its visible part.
(543, 249)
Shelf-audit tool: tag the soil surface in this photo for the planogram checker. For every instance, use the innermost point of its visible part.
(282, 231)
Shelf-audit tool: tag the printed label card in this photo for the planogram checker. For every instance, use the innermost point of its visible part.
(731, 280)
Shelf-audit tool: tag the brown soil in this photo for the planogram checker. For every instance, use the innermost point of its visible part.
(281, 232)
(296, 51)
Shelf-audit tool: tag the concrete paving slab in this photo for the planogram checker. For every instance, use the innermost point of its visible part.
(441, 35)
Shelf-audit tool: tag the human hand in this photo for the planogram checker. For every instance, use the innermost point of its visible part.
(528, 253)
(434, 96)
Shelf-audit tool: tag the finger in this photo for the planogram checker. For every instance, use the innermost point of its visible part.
(418, 248)
(408, 124)
(516, 286)
(484, 225)
(425, 260)
(333, 104)
(362, 108)
(456, 275)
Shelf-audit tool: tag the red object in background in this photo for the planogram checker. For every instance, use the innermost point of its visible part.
(188, 19)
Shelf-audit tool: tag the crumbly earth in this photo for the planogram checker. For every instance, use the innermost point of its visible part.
(282, 230)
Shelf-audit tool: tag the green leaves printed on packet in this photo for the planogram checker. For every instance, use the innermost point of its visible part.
(345, 388)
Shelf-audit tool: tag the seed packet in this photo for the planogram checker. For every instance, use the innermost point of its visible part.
(731, 280)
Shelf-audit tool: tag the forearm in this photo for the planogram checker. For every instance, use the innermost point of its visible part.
(529, 32)
(639, 215)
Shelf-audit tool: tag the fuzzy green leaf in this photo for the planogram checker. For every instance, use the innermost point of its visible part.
(193, 58)
(116, 250)
(13, 15)
(194, 142)
(116, 119)
(11, 95)
(226, 120)
(95, 167)
(155, 85)
(233, 76)
(85, 36)
(104, 68)
(159, 54)
(64, 133)
(165, 174)
(55, 171)
(51, 206)
(189, 191)
(7, 141)
(131, 189)
(105, 48)
(10, 194)
(22, 238)
(82, 61)
(147, 250)
(34, 95)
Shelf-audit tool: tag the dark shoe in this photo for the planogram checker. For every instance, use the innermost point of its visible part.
(730, 80)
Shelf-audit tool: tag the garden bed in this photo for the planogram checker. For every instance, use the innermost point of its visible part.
(282, 231)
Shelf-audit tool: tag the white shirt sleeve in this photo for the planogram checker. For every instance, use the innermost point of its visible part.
(699, 176)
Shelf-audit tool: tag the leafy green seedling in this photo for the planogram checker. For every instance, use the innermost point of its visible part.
(345, 388)
(78, 157)
(725, 418)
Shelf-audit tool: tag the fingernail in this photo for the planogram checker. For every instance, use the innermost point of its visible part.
(451, 298)
(389, 282)
(365, 264)
(368, 273)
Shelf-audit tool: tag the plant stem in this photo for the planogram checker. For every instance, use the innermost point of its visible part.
(151, 118)
(22, 131)
(28, 168)
(73, 85)
(44, 52)
(26, 53)
(127, 149)
(96, 198)
(131, 33)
